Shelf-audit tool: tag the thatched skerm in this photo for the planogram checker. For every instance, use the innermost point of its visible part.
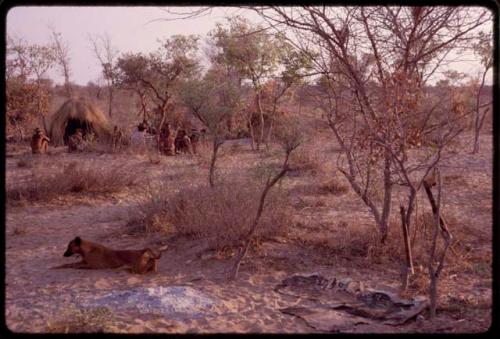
(78, 113)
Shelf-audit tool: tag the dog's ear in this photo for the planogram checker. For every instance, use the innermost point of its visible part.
(78, 241)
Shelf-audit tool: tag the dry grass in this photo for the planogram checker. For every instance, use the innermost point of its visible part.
(152, 216)
(99, 147)
(204, 154)
(359, 246)
(77, 320)
(333, 186)
(25, 162)
(352, 240)
(221, 216)
(236, 148)
(456, 179)
(21, 230)
(307, 160)
(75, 177)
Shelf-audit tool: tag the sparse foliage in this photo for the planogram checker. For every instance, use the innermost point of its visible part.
(106, 54)
(131, 68)
(375, 62)
(27, 89)
(251, 53)
(289, 138)
(213, 101)
(156, 75)
(484, 49)
(63, 59)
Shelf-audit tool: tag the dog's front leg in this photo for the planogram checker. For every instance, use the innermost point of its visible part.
(81, 264)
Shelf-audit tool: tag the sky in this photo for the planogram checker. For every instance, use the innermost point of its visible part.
(131, 29)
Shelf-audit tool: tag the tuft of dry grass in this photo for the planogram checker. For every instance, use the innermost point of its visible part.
(307, 160)
(21, 230)
(82, 320)
(25, 162)
(75, 177)
(236, 148)
(353, 241)
(456, 179)
(221, 215)
(333, 186)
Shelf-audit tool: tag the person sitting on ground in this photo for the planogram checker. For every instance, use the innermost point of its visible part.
(183, 142)
(39, 142)
(76, 142)
(138, 137)
(195, 138)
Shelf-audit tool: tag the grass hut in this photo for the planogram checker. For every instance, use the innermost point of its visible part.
(78, 113)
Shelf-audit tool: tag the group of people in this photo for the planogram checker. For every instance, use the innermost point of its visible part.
(170, 142)
(183, 142)
(76, 142)
(141, 135)
(40, 141)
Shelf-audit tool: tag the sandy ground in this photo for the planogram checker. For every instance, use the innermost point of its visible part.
(37, 235)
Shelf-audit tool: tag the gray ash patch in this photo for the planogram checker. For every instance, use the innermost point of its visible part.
(174, 301)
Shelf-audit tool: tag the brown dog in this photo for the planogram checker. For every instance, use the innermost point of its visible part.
(95, 256)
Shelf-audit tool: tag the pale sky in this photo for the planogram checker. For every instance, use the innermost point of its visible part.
(130, 30)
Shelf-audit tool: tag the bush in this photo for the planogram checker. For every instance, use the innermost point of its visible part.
(221, 215)
(73, 178)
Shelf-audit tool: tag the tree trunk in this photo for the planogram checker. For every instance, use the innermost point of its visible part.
(406, 241)
(368, 202)
(39, 107)
(44, 122)
(215, 149)
(261, 116)
(433, 296)
(252, 134)
(110, 104)
(440, 224)
(143, 107)
(300, 104)
(386, 209)
(158, 134)
(478, 123)
(248, 238)
(269, 132)
(477, 130)
(476, 142)
(67, 87)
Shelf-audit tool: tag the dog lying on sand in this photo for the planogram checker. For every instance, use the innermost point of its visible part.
(95, 256)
